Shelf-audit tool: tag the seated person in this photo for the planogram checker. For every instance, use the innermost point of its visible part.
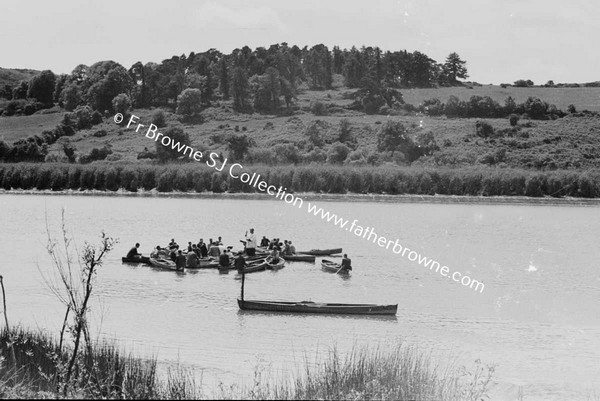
(156, 253)
(240, 262)
(173, 244)
(346, 263)
(292, 248)
(264, 242)
(274, 257)
(133, 252)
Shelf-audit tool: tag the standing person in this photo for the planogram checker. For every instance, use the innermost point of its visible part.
(191, 260)
(240, 262)
(174, 254)
(251, 243)
(180, 260)
(203, 248)
(224, 260)
(133, 253)
(190, 246)
(292, 248)
(220, 241)
(173, 244)
(346, 263)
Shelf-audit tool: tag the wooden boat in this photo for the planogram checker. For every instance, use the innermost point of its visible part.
(299, 258)
(322, 252)
(275, 266)
(143, 259)
(256, 266)
(314, 307)
(332, 267)
(163, 264)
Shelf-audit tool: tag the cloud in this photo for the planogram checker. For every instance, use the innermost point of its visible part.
(243, 17)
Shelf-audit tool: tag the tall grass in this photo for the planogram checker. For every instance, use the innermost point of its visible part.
(386, 179)
(366, 373)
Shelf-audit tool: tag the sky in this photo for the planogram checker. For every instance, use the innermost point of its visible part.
(501, 40)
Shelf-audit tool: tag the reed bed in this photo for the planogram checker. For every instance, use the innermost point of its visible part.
(387, 179)
(402, 372)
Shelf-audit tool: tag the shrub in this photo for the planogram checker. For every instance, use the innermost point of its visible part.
(165, 153)
(484, 129)
(338, 152)
(96, 154)
(159, 118)
(318, 108)
(100, 133)
(83, 117)
(96, 117)
(571, 109)
(513, 119)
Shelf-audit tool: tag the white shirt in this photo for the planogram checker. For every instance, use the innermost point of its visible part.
(251, 241)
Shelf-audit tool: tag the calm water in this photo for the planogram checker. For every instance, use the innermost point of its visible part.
(538, 319)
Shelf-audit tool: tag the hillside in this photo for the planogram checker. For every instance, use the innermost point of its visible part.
(12, 76)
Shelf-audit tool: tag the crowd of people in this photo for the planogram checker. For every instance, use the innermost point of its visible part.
(216, 250)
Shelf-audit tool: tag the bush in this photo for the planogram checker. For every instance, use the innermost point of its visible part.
(338, 152)
(96, 154)
(159, 118)
(318, 108)
(96, 117)
(100, 133)
(513, 119)
(484, 129)
(83, 117)
(165, 153)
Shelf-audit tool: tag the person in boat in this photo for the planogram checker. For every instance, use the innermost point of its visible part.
(192, 260)
(292, 248)
(156, 252)
(180, 260)
(274, 256)
(220, 241)
(214, 250)
(133, 253)
(203, 248)
(224, 259)
(286, 248)
(196, 250)
(346, 263)
(173, 244)
(264, 242)
(189, 246)
(251, 243)
(173, 254)
(240, 262)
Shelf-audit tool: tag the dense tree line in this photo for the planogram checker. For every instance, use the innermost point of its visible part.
(389, 179)
(262, 79)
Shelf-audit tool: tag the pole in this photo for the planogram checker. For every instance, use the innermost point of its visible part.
(243, 280)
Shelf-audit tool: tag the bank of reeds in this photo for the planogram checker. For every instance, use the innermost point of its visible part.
(400, 373)
(387, 179)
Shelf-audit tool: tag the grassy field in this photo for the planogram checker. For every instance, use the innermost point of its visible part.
(16, 127)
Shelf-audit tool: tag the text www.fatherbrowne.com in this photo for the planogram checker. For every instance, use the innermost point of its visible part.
(236, 172)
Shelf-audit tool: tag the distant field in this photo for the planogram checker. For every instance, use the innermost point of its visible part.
(13, 128)
(12, 76)
(582, 98)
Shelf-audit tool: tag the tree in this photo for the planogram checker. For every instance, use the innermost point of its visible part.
(169, 152)
(105, 80)
(393, 136)
(121, 104)
(240, 91)
(20, 91)
(73, 288)
(189, 102)
(223, 78)
(41, 87)
(267, 90)
(70, 97)
(318, 67)
(238, 146)
(454, 68)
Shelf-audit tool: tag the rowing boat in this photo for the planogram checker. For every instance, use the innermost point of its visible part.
(332, 267)
(314, 307)
(141, 259)
(163, 264)
(275, 266)
(256, 266)
(322, 252)
(299, 258)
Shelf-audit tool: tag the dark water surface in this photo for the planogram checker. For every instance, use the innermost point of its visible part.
(538, 319)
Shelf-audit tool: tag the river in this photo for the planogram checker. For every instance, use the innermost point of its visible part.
(537, 320)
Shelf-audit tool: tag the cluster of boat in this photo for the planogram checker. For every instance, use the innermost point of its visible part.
(260, 261)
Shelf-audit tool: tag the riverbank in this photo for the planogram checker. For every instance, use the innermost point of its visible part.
(436, 199)
(32, 364)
